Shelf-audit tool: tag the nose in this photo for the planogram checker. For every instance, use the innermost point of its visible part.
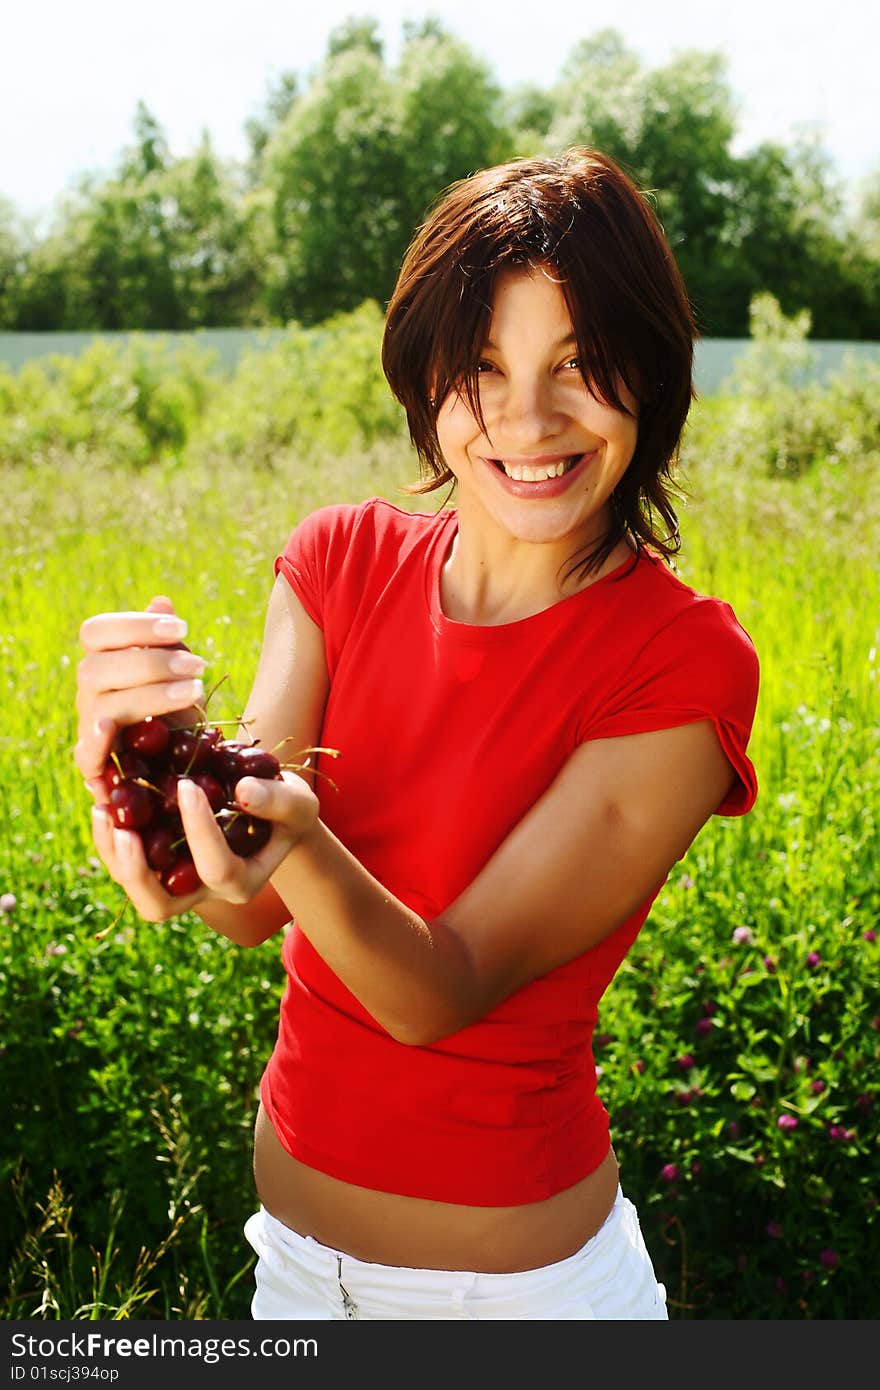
(525, 413)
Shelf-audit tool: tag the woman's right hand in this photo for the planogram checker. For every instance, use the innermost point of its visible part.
(134, 666)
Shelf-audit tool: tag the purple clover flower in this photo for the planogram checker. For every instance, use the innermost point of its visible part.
(829, 1258)
(704, 1027)
(787, 1122)
(817, 1087)
(869, 935)
(670, 1172)
(813, 959)
(8, 902)
(774, 1230)
(686, 1061)
(742, 936)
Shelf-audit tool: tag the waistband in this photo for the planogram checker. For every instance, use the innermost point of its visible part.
(362, 1280)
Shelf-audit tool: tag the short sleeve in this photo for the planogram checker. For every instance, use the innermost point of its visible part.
(303, 562)
(702, 665)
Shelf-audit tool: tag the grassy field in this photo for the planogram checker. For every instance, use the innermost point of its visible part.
(130, 1065)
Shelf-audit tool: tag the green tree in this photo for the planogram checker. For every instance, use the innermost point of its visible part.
(786, 235)
(335, 170)
(356, 33)
(213, 241)
(362, 154)
(670, 128)
(282, 94)
(149, 153)
(450, 119)
(527, 112)
(13, 259)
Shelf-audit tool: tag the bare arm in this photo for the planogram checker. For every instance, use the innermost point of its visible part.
(285, 712)
(595, 846)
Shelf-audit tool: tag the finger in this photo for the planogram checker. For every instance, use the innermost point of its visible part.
(224, 873)
(123, 853)
(102, 835)
(111, 631)
(92, 750)
(289, 802)
(99, 673)
(160, 603)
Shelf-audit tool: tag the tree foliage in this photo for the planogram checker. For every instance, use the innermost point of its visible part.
(344, 163)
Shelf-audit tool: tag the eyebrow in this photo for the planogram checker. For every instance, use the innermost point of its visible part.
(563, 342)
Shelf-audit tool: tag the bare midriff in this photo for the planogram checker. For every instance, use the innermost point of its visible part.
(385, 1228)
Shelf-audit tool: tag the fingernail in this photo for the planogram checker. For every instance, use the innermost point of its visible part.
(255, 794)
(121, 843)
(185, 664)
(186, 793)
(169, 626)
(103, 727)
(185, 690)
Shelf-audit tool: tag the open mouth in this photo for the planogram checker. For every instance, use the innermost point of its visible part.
(521, 473)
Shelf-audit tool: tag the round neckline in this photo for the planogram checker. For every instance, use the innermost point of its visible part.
(477, 634)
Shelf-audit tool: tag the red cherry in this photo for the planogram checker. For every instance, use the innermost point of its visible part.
(213, 790)
(149, 736)
(181, 878)
(167, 784)
(188, 752)
(224, 760)
(131, 806)
(245, 834)
(257, 762)
(131, 766)
(158, 842)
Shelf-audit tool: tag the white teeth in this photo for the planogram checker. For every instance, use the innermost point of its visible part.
(523, 474)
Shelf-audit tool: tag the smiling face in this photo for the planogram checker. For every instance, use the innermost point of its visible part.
(551, 455)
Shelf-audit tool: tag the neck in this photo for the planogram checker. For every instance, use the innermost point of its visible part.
(489, 580)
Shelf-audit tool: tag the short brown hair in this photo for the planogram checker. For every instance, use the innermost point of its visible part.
(581, 214)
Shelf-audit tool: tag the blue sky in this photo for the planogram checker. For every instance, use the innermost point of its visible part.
(71, 75)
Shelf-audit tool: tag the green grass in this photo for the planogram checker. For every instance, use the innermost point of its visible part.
(130, 1065)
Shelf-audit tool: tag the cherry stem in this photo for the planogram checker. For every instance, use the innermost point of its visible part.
(215, 688)
(99, 935)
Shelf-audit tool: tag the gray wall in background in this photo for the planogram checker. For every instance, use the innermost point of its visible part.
(714, 356)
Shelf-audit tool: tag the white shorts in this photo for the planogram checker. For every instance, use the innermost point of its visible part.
(609, 1277)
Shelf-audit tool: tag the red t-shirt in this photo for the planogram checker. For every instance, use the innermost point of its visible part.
(448, 733)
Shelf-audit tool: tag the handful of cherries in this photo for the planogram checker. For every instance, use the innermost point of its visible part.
(143, 777)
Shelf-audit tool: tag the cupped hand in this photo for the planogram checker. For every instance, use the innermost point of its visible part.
(289, 803)
(135, 665)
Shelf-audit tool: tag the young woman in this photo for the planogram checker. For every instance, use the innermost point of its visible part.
(535, 718)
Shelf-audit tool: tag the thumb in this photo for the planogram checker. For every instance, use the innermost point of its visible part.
(288, 800)
(160, 604)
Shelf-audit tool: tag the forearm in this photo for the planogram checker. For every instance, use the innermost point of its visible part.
(248, 924)
(414, 978)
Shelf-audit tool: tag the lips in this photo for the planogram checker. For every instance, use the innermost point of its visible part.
(548, 487)
(556, 465)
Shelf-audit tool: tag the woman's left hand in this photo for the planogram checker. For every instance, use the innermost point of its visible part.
(289, 803)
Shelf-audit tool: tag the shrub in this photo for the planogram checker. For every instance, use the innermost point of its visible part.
(785, 421)
(316, 389)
